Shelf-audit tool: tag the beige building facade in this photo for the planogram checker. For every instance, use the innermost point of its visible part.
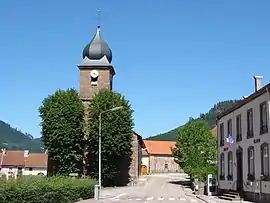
(162, 163)
(244, 163)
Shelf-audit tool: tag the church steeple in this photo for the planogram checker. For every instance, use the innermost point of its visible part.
(96, 70)
(97, 48)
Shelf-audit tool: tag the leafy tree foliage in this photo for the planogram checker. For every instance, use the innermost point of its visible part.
(11, 138)
(62, 123)
(116, 137)
(196, 149)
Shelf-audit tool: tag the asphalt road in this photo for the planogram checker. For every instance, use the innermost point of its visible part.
(157, 188)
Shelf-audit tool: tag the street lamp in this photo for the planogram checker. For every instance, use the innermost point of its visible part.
(99, 148)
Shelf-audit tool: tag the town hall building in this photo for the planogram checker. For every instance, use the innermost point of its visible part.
(244, 164)
(96, 73)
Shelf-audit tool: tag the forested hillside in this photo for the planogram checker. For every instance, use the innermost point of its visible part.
(11, 138)
(209, 117)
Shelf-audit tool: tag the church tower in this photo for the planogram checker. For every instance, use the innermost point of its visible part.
(96, 70)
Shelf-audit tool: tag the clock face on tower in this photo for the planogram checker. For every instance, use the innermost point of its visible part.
(94, 77)
(94, 74)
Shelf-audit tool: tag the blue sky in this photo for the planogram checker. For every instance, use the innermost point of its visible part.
(173, 59)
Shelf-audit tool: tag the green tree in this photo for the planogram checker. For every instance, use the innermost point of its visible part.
(62, 123)
(196, 149)
(116, 138)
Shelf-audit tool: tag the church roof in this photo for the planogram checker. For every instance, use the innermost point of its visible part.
(97, 48)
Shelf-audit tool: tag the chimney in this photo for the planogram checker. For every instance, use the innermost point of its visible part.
(26, 153)
(244, 97)
(3, 151)
(258, 82)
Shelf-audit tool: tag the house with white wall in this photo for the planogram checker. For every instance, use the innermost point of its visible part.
(14, 163)
(11, 163)
(36, 164)
(244, 160)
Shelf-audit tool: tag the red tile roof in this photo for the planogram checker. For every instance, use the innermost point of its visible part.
(13, 158)
(36, 160)
(159, 147)
(16, 158)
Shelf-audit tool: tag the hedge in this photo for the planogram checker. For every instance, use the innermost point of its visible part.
(33, 189)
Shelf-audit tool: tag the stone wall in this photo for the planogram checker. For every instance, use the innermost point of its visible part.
(163, 164)
(139, 171)
(87, 91)
(135, 161)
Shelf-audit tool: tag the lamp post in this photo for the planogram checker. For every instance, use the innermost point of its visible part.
(97, 196)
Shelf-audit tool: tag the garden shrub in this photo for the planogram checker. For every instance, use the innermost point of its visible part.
(38, 189)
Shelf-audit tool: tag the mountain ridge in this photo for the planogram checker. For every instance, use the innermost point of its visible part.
(13, 139)
(209, 117)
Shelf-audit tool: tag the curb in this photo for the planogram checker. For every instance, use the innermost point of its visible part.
(201, 199)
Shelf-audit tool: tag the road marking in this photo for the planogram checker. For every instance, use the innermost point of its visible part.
(163, 185)
(171, 198)
(183, 199)
(149, 198)
(138, 199)
(120, 195)
(161, 198)
(115, 200)
(193, 200)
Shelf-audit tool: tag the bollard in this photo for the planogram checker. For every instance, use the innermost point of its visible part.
(97, 192)
(196, 186)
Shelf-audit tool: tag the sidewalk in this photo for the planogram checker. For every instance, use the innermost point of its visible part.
(211, 199)
(215, 199)
(206, 198)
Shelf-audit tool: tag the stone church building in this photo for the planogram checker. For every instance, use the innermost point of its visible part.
(96, 73)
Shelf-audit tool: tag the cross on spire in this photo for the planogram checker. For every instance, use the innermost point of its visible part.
(98, 17)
